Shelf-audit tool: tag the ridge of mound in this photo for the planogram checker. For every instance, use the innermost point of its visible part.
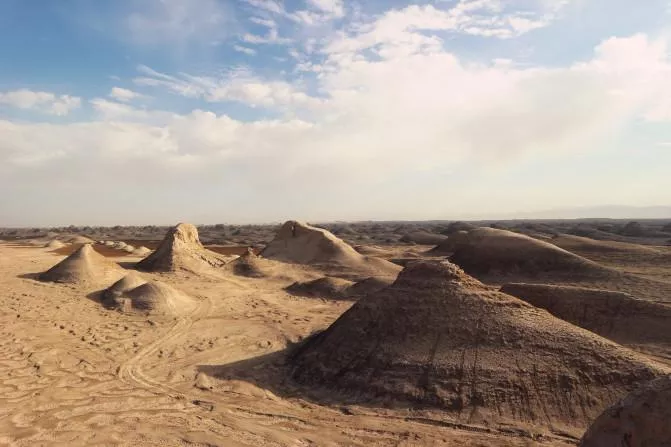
(439, 338)
(325, 287)
(55, 244)
(640, 419)
(614, 315)
(493, 251)
(181, 250)
(157, 298)
(299, 243)
(84, 265)
(125, 284)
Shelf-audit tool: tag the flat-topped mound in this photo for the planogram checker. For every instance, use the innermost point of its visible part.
(614, 315)
(642, 419)
(439, 338)
(83, 266)
(300, 243)
(157, 298)
(493, 251)
(326, 287)
(181, 250)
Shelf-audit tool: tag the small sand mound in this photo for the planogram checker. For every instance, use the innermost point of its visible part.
(492, 251)
(109, 243)
(157, 298)
(129, 249)
(181, 250)
(84, 265)
(326, 287)
(368, 286)
(450, 245)
(251, 265)
(440, 338)
(55, 245)
(642, 419)
(141, 251)
(120, 245)
(300, 243)
(615, 315)
(125, 284)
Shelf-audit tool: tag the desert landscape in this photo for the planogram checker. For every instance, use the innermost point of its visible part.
(343, 334)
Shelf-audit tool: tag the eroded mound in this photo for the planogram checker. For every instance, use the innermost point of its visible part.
(440, 338)
(54, 245)
(592, 246)
(300, 243)
(141, 251)
(128, 282)
(368, 286)
(493, 251)
(83, 266)
(326, 287)
(614, 315)
(157, 298)
(450, 245)
(181, 250)
(642, 419)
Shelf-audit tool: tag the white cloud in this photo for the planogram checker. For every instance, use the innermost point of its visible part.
(335, 8)
(123, 94)
(41, 101)
(264, 22)
(272, 37)
(241, 49)
(267, 5)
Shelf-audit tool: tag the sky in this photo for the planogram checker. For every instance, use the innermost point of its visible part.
(118, 112)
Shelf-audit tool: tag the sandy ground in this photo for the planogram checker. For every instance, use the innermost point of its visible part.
(74, 373)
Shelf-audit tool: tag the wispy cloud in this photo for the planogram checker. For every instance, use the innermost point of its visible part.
(124, 94)
(245, 50)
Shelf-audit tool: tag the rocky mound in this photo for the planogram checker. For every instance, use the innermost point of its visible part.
(326, 287)
(450, 245)
(440, 338)
(181, 250)
(300, 243)
(492, 251)
(54, 245)
(156, 298)
(125, 284)
(83, 266)
(639, 420)
(615, 315)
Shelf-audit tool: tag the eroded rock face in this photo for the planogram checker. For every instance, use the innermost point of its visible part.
(438, 337)
(642, 419)
(181, 250)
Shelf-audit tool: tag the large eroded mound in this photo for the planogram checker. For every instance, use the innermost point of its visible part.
(614, 315)
(83, 266)
(157, 298)
(300, 243)
(642, 419)
(440, 338)
(493, 251)
(181, 250)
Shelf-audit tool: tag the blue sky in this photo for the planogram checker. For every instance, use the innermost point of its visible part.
(140, 111)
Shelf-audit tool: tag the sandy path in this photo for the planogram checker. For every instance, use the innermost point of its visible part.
(73, 373)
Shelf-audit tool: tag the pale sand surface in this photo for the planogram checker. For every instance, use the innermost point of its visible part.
(74, 373)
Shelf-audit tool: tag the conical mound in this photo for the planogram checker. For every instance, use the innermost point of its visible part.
(300, 243)
(326, 287)
(84, 265)
(492, 251)
(181, 250)
(615, 315)
(440, 338)
(125, 284)
(157, 298)
(54, 244)
(642, 419)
